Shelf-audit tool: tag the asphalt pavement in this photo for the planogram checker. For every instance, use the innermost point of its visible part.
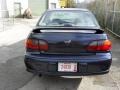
(13, 74)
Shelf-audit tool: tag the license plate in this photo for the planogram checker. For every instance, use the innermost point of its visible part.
(67, 67)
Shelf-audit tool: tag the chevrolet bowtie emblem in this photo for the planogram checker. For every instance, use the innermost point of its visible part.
(67, 42)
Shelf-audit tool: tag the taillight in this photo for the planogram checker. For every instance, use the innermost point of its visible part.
(43, 45)
(102, 45)
(34, 44)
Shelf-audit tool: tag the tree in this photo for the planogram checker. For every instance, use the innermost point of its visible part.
(71, 4)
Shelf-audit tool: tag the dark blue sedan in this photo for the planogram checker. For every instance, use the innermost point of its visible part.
(68, 42)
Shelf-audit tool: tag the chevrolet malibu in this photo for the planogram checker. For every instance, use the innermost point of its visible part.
(68, 42)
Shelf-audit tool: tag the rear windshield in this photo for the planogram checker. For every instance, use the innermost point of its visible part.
(68, 18)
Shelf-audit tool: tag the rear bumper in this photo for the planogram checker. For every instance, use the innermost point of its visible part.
(86, 66)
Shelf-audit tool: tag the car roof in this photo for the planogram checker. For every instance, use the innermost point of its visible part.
(68, 9)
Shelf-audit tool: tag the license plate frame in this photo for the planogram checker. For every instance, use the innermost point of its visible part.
(67, 67)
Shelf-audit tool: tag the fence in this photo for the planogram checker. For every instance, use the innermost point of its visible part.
(5, 21)
(113, 22)
(107, 13)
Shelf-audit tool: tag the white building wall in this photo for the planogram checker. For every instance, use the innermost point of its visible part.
(51, 2)
(0, 7)
(3, 8)
(10, 6)
(24, 4)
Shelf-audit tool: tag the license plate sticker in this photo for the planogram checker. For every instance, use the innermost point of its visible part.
(67, 67)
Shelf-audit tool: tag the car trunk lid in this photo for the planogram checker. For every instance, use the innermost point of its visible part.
(67, 40)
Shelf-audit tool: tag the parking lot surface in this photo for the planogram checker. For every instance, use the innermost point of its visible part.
(13, 75)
